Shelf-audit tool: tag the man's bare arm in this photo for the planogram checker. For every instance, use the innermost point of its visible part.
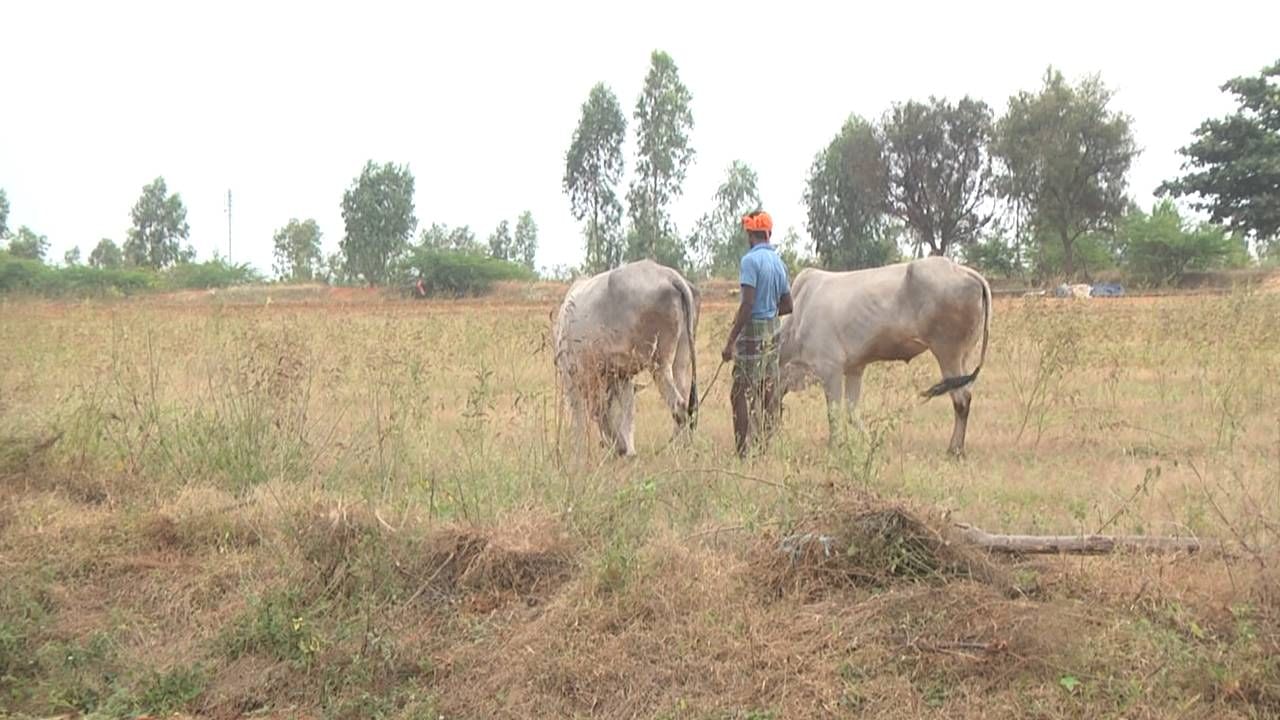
(784, 304)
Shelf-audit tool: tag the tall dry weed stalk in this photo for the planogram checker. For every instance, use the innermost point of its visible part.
(1042, 358)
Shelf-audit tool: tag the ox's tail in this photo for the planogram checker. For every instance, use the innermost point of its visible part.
(955, 383)
(689, 305)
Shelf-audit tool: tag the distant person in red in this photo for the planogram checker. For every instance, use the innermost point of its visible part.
(753, 340)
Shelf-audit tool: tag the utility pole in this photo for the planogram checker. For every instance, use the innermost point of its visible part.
(228, 227)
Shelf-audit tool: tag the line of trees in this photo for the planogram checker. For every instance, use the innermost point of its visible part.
(154, 255)
(1041, 191)
(377, 246)
(155, 240)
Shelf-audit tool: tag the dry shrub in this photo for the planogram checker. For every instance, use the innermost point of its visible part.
(868, 543)
(521, 555)
(525, 554)
(690, 638)
(611, 655)
(201, 519)
(345, 548)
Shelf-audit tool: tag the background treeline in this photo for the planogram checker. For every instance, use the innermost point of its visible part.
(1040, 194)
(378, 248)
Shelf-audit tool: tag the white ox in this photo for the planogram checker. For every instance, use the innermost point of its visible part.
(611, 327)
(844, 321)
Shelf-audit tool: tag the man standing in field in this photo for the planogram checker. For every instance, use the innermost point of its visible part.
(753, 340)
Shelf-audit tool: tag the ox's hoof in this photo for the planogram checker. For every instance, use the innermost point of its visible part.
(955, 453)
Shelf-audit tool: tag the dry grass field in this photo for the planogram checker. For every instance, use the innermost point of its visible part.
(342, 506)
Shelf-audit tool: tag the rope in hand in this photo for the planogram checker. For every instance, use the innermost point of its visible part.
(715, 376)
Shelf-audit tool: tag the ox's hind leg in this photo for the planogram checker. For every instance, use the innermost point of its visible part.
(961, 398)
(666, 382)
(960, 401)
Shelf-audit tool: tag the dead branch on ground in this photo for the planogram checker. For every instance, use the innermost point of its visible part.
(1081, 544)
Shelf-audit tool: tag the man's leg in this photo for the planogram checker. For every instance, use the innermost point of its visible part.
(770, 388)
(772, 408)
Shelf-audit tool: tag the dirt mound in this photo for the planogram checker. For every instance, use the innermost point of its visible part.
(525, 556)
(863, 542)
(520, 556)
(689, 636)
(201, 520)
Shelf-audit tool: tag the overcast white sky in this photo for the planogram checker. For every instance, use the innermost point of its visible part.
(283, 102)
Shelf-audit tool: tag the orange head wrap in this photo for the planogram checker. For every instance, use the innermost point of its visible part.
(758, 222)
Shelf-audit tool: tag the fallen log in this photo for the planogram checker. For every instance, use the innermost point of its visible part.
(1080, 544)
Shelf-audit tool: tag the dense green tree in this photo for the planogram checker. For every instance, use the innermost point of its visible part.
(458, 239)
(1091, 253)
(159, 224)
(4, 214)
(1233, 166)
(500, 241)
(1066, 154)
(1161, 247)
(524, 248)
(28, 244)
(663, 121)
(939, 170)
(378, 213)
(992, 254)
(718, 237)
(448, 273)
(846, 196)
(107, 255)
(593, 169)
(297, 251)
(71, 258)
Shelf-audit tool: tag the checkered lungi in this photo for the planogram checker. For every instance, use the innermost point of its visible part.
(756, 351)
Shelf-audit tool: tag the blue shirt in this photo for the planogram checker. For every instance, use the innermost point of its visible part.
(763, 270)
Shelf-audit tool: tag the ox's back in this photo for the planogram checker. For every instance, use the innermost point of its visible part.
(618, 313)
(833, 311)
(885, 313)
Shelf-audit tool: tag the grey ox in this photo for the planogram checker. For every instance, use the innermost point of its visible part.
(615, 325)
(844, 321)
